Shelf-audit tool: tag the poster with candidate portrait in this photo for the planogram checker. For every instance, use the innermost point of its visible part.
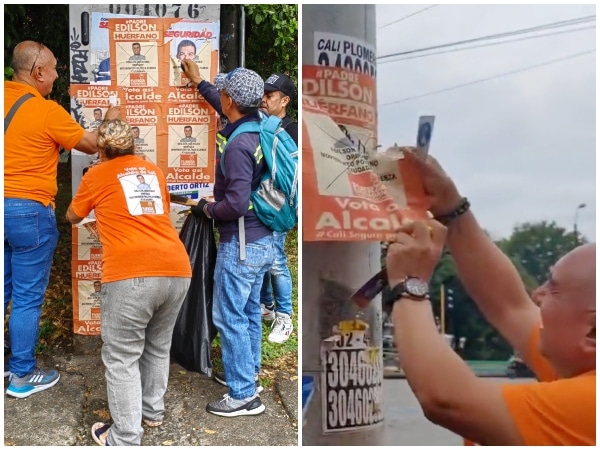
(135, 62)
(193, 40)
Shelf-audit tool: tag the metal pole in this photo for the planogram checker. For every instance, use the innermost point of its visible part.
(345, 409)
(442, 309)
(242, 36)
(580, 206)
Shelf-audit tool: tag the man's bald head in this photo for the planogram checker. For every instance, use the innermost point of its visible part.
(568, 310)
(577, 272)
(28, 53)
(35, 65)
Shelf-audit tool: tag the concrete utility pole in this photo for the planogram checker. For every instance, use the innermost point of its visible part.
(347, 406)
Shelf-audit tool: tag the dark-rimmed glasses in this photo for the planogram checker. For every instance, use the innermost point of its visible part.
(36, 58)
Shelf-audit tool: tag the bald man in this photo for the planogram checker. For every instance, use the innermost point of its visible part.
(557, 339)
(36, 131)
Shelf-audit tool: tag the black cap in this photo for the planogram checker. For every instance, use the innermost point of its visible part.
(280, 82)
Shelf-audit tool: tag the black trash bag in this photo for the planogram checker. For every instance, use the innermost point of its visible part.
(194, 329)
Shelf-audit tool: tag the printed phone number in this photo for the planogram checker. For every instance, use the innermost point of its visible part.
(353, 390)
(354, 408)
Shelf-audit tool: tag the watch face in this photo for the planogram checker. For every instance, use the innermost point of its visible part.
(416, 287)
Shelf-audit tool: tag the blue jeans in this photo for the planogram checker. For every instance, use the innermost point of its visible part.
(236, 310)
(279, 277)
(138, 317)
(30, 238)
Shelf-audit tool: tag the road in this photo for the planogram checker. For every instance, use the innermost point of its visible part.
(404, 420)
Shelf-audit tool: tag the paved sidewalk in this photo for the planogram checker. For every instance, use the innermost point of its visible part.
(65, 413)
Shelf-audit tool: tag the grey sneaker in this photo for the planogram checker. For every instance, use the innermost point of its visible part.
(36, 381)
(267, 312)
(230, 407)
(220, 378)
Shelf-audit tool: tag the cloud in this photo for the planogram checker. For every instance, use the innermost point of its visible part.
(522, 147)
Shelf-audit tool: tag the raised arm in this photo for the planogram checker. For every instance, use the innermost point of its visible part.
(88, 143)
(487, 274)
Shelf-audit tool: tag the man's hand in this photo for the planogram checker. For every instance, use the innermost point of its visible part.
(199, 210)
(191, 70)
(415, 252)
(439, 187)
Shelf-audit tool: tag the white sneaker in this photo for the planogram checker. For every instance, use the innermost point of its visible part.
(281, 329)
(268, 315)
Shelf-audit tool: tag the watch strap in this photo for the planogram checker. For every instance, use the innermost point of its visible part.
(399, 291)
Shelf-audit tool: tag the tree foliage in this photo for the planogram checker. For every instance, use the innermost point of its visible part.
(272, 41)
(48, 24)
(462, 318)
(537, 246)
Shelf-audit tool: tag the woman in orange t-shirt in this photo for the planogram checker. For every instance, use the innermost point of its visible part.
(146, 274)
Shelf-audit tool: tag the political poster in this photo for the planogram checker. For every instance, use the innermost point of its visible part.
(86, 272)
(136, 60)
(353, 196)
(188, 41)
(355, 192)
(338, 50)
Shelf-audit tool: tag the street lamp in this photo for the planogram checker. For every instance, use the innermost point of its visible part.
(580, 206)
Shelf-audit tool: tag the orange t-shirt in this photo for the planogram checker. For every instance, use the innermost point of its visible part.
(31, 144)
(137, 236)
(553, 411)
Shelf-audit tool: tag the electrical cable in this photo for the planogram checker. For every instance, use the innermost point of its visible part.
(558, 24)
(490, 44)
(547, 63)
(406, 17)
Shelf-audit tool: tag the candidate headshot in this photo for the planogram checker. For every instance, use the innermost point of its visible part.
(187, 130)
(97, 118)
(136, 47)
(136, 135)
(186, 49)
(143, 185)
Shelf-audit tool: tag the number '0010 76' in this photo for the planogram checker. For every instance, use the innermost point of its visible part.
(177, 10)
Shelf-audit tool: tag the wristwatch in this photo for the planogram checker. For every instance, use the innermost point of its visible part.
(205, 210)
(414, 288)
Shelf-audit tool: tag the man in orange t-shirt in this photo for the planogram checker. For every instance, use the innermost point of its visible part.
(557, 339)
(145, 277)
(36, 131)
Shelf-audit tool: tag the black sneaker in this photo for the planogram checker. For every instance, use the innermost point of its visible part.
(230, 407)
(220, 378)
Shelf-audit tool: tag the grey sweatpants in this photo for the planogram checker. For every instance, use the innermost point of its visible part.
(138, 316)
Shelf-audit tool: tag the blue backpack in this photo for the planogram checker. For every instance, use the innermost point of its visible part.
(275, 201)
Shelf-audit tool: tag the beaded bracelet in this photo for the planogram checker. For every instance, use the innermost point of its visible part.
(462, 208)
